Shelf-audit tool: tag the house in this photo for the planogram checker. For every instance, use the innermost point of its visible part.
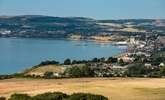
(126, 59)
(147, 65)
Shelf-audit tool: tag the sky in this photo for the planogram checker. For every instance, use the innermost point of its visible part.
(98, 9)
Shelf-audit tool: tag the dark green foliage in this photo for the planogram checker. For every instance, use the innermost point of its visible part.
(86, 96)
(87, 71)
(121, 62)
(2, 98)
(51, 96)
(83, 71)
(73, 72)
(20, 97)
(67, 62)
(102, 59)
(5, 77)
(112, 60)
(138, 70)
(162, 71)
(48, 75)
(95, 60)
(79, 62)
(58, 96)
(18, 75)
(48, 62)
(158, 57)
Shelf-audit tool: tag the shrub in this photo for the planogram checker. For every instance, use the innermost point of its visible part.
(77, 71)
(50, 96)
(5, 77)
(86, 96)
(67, 62)
(73, 72)
(2, 98)
(48, 62)
(20, 97)
(48, 75)
(57, 96)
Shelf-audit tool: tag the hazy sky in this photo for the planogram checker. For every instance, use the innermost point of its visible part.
(99, 9)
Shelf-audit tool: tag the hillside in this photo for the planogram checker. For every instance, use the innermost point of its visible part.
(43, 69)
(46, 26)
(37, 26)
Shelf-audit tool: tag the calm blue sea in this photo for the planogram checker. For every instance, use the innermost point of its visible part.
(17, 54)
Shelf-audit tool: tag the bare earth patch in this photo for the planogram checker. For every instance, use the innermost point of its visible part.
(114, 88)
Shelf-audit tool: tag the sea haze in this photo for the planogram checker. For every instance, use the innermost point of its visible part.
(17, 54)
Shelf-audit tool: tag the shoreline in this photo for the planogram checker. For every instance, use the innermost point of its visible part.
(70, 39)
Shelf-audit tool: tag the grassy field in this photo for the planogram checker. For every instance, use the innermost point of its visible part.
(114, 88)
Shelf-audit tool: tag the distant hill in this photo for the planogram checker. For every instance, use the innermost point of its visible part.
(60, 27)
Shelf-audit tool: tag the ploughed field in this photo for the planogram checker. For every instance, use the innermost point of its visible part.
(113, 88)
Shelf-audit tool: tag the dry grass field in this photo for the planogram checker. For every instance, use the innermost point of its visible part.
(114, 88)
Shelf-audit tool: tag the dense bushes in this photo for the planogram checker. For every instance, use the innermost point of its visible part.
(58, 96)
(20, 97)
(51, 96)
(140, 70)
(86, 96)
(67, 62)
(94, 60)
(5, 77)
(48, 62)
(76, 71)
(48, 75)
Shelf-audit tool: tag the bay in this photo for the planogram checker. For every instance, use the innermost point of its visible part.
(17, 54)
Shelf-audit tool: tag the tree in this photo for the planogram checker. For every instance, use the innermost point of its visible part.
(47, 62)
(121, 62)
(95, 60)
(74, 72)
(162, 71)
(87, 71)
(48, 75)
(102, 59)
(74, 62)
(67, 62)
(112, 60)
(77, 71)
(138, 70)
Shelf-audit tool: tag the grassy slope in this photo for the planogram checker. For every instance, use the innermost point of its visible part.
(46, 68)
